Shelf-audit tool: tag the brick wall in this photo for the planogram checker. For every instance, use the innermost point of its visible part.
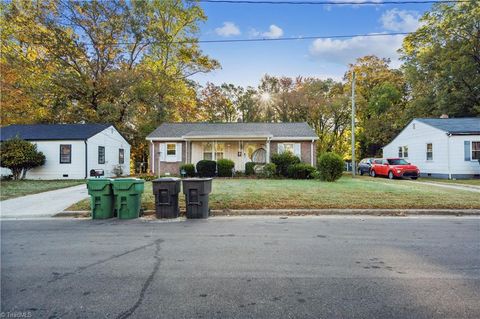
(167, 167)
(305, 150)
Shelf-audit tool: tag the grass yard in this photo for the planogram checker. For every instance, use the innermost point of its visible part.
(361, 192)
(11, 189)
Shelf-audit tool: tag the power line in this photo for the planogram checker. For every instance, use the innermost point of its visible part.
(299, 38)
(330, 3)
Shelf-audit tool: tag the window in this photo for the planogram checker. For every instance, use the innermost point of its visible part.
(429, 151)
(475, 151)
(101, 155)
(207, 151)
(65, 154)
(219, 150)
(121, 156)
(288, 147)
(171, 149)
(396, 162)
(403, 151)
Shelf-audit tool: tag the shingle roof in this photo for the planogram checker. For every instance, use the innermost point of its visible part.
(39, 132)
(179, 130)
(455, 126)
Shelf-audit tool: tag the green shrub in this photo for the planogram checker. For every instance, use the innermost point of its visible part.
(20, 156)
(250, 168)
(225, 167)
(146, 177)
(189, 169)
(301, 171)
(269, 170)
(206, 168)
(283, 161)
(330, 167)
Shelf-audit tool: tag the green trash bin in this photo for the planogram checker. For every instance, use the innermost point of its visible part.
(101, 200)
(128, 197)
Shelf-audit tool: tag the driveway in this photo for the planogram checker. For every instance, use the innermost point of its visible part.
(44, 204)
(257, 267)
(462, 187)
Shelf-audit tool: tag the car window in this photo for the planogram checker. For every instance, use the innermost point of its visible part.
(399, 161)
(378, 161)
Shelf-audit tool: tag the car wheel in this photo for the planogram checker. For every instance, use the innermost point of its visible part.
(414, 178)
(390, 175)
(372, 173)
(360, 172)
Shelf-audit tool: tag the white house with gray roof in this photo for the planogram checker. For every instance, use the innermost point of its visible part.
(73, 150)
(173, 144)
(440, 147)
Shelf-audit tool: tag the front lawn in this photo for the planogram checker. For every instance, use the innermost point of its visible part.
(474, 182)
(11, 189)
(361, 192)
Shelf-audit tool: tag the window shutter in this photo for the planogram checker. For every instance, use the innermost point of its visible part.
(163, 151)
(297, 150)
(281, 148)
(466, 149)
(179, 152)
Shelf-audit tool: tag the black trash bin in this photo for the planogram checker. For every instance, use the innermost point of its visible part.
(196, 192)
(166, 192)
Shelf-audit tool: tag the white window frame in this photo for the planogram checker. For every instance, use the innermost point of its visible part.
(426, 152)
(400, 152)
(170, 157)
(405, 147)
(204, 151)
(471, 151)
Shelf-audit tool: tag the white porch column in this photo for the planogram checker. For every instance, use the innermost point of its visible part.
(268, 150)
(152, 158)
(214, 151)
(311, 153)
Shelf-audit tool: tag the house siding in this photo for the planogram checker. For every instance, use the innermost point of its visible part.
(305, 150)
(164, 167)
(446, 150)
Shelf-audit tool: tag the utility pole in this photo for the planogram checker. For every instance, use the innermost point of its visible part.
(353, 124)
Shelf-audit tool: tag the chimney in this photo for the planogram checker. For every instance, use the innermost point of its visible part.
(444, 116)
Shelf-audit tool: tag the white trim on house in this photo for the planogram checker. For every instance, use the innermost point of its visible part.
(306, 138)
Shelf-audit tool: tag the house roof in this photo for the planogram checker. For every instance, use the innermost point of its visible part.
(45, 132)
(455, 126)
(233, 130)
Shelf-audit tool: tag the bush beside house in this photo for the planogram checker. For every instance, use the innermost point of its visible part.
(20, 156)
(283, 161)
(189, 170)
(225, 167)
(250, 168)
(301, 171)
(206, 168)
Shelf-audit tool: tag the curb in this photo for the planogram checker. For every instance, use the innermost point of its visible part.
(312, 212)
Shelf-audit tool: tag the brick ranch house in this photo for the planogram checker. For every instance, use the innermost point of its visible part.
(174, 144)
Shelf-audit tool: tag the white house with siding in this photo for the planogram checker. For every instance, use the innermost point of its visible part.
(72, 150)
(440, 147)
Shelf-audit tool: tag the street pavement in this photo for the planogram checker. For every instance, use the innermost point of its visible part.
(44, 204)
(239, 267)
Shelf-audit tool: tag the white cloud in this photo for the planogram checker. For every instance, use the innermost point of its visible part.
(400, 20)
(228, 29)
(274, 32)
(345, 51)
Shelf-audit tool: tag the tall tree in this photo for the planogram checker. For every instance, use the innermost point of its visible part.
(442, 61)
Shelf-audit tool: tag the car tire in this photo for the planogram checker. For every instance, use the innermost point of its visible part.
(360, 172)
(414, 178)
(390, 175)
(372, 173)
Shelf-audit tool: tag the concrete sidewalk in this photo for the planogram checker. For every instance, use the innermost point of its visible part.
(462, 187)
(44, 204)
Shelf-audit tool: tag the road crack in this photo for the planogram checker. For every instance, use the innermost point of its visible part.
(127, 313)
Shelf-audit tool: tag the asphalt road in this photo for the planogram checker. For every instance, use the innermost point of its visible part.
(316, 267)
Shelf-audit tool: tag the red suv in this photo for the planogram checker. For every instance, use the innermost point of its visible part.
(394, 167)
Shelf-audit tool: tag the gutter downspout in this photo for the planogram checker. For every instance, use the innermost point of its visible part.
(152, 157)
(448, 155)
(86, 159)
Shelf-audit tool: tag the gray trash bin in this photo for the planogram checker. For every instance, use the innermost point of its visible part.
(166, 192)
(196, 192)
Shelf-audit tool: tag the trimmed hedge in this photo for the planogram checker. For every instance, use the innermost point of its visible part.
(206, 168)
(330, 167)
(225, 167)
(189, 169)
(301, 171)
(283, 161)
(250, 168)
(269, 170)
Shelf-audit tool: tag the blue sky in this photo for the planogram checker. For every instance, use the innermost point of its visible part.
(245, 63)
